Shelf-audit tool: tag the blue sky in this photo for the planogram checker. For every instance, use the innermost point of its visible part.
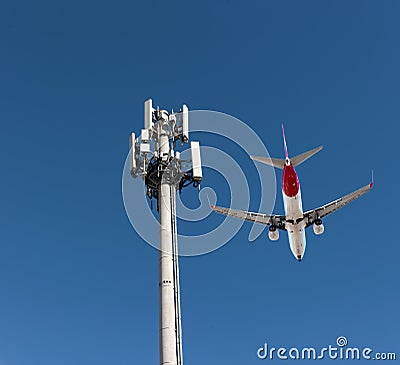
(78, 285)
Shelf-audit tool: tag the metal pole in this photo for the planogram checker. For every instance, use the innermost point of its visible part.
(170, 339)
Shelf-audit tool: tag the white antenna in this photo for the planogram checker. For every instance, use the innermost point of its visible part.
(148, 114)
(196, 161)
(132, 155)
(185, 123)
(154, 159)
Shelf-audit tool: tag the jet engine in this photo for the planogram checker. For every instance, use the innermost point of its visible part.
(318, 227)
(273, 233)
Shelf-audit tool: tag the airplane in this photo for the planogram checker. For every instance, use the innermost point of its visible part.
(295, 221)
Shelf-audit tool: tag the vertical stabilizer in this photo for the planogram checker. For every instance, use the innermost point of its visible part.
(284, 142)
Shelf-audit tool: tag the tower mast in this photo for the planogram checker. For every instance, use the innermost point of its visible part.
(153, 157)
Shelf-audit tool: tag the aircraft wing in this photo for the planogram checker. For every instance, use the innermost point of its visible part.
(331, 207)
(277, 220)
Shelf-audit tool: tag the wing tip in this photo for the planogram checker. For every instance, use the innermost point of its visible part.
(372, 180)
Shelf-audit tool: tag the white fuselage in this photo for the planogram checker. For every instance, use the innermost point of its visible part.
(295, 224)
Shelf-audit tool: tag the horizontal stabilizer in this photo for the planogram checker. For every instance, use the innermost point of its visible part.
(274, 162)
(297, 160)
(280, 163)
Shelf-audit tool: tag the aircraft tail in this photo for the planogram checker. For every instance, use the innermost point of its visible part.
(280, 163)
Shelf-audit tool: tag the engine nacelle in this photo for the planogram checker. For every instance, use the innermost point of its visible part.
(273, 233)
(318, 227)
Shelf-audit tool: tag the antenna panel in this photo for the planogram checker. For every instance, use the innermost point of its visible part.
(196, 160)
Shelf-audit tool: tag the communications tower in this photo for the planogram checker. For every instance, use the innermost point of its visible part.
(153, 157)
